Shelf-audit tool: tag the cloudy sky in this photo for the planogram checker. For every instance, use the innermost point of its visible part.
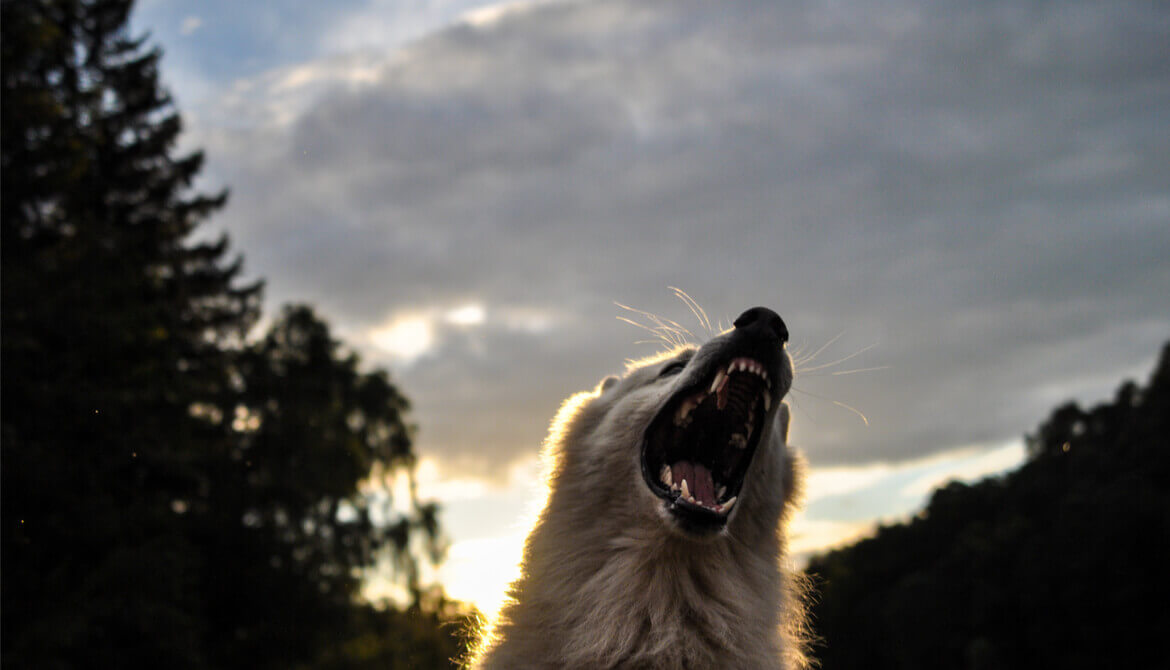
(961, 210)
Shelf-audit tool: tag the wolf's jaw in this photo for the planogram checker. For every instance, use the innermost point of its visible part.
(699, 448)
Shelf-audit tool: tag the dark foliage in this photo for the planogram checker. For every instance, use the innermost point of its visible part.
(1060, 564)
(173, 495)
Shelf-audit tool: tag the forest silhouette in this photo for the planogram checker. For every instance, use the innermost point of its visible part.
(180, 491)
(1059, 564)
(176, 493)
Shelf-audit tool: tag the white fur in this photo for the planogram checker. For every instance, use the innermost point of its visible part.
(609, 582)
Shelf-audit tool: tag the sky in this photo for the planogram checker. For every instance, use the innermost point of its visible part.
(961, 210)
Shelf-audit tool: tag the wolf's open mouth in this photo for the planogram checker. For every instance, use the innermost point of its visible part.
(698, 448)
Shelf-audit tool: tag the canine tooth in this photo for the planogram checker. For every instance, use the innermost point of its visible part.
(767, 401)
(739, 441)
(665, 476)
(719, 378)
(721, 491)
(685, 492)
(764, 374)
(726, 507)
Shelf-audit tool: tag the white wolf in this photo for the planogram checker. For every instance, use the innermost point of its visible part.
(661, 544)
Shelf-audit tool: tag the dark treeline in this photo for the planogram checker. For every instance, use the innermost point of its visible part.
(175, 494)
(1060, 564)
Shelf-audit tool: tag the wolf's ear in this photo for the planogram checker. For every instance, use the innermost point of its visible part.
(608, 383)
(782, 418)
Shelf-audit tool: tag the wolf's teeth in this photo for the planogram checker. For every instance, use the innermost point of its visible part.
(721, 491)
(666, 476)
(767, 401)
(720, 377)
(726, 507)
(686, 493)
(684, 410)
(738, 441)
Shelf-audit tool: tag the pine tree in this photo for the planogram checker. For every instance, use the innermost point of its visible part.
(174, 496)
(115, 322)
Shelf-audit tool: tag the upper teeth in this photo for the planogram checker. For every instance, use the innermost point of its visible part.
(682, 415)
(720, 380)
(749, 365)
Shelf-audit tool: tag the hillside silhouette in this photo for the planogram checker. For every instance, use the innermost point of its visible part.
(1059, 564)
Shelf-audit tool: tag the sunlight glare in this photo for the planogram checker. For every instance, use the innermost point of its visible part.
(480, 570)
(468, 315)
(407, 337)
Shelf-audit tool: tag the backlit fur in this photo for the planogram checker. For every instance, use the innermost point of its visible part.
(608, 582)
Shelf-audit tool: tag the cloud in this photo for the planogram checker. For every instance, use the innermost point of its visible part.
(966, 468)
(190, 25)
(388, 24)
(980, 194)
(890, 492)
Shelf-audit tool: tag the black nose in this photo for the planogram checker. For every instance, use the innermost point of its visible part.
(762, 317)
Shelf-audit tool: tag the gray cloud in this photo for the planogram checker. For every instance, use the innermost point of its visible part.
(980, 192)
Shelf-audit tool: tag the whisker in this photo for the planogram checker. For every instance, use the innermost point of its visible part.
(670, 331)
(658, 341)
(835, 402)
(839, 360)
(796, 404)
(696, 309)
(638, 325)
(666, 324)
(855, 371)
(826, 345)
(851, 409)
(664, 335)
(844, 372)
(796, 350)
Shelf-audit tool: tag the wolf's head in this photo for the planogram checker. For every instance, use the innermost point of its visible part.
(696, 436)
(659, 545)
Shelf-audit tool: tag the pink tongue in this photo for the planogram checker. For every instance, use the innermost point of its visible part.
(704, 486)
(699, 482)
(684, 470)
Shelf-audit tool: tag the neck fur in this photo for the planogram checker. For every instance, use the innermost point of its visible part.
(647, 598)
